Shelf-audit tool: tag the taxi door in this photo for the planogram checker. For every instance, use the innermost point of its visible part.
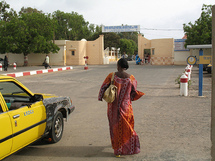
(5, 130)
(28, 124)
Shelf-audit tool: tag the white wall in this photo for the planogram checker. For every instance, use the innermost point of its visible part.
(18, 58)
(37, 59)
(180, 57)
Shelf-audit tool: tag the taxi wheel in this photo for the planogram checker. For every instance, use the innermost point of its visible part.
(57, 127)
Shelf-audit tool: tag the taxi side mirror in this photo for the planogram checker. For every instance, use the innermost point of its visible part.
(37, 97)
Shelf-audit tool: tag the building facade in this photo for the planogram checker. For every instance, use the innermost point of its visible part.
(161, 51)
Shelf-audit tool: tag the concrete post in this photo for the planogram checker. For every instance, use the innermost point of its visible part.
(14, 66)
(183, 85)
(213, 88)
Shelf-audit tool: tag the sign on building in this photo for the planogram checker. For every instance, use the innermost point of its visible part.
(127, 28)
(179, 45)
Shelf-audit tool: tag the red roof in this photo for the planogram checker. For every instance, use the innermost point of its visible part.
(184, 37)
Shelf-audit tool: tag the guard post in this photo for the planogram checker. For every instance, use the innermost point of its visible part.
(202, 60)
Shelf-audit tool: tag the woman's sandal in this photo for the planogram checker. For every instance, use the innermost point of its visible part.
(118, 156)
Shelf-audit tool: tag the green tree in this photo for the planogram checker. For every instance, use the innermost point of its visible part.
(134, 47)
(126, 46)
(29, 33)
(29, 10)
(95, 31)
(5, 12)
(70, 26)
(201, 31)
(92, 28)
(129, 35)
(78, 26)
(111, 40)
(61, 25)
(133, 38)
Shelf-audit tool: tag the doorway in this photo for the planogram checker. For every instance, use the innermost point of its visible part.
(147, 56)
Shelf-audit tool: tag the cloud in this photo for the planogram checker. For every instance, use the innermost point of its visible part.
(148, 14)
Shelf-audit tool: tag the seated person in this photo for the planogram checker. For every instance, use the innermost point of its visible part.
(138, 61)
(136, 57)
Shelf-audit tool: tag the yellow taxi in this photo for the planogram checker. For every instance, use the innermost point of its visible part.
(26, 117)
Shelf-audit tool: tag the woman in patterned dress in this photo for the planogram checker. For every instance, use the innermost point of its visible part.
(124, 139)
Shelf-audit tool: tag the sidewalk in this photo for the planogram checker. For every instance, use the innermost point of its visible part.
(32, 70)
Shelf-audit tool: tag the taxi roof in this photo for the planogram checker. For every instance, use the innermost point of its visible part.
(6, 77)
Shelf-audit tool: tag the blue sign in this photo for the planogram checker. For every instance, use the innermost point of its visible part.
(127, 28)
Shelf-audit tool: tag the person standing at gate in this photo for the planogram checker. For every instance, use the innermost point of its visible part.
(5, 63)
(149, 57)
(124, 139)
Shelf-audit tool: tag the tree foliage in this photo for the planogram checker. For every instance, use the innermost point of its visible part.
(129, 35)
(111, 40)
(39, 34)
(5, 12)
(95, 31)
(126, 41)
(201, 31)
(29, 10)
(26, 34)
(132, 37)
(70, 26)
(127, 46)
(32, 31)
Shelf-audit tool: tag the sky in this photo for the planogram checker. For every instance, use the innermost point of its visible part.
(157, 18)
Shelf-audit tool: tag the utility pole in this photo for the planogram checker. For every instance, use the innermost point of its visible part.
(213, 88)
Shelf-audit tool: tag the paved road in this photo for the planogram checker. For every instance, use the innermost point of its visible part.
(170, 127)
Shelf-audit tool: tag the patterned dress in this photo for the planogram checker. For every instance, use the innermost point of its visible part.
(124, 139)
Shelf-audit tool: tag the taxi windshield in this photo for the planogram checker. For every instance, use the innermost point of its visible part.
(10, 88)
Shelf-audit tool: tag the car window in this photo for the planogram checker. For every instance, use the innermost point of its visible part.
(13, 93)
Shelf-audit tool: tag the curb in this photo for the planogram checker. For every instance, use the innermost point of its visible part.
(26, 73)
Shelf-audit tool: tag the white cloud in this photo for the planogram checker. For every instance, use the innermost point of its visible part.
(154, 14)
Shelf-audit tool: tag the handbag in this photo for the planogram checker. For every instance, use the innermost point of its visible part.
(111, 92)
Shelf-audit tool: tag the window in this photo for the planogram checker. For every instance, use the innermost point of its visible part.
(73, 53)
(153, 51)
(14, 93)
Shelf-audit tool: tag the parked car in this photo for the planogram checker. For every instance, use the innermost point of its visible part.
(209, 68)
(205, 67)
(26, 117)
